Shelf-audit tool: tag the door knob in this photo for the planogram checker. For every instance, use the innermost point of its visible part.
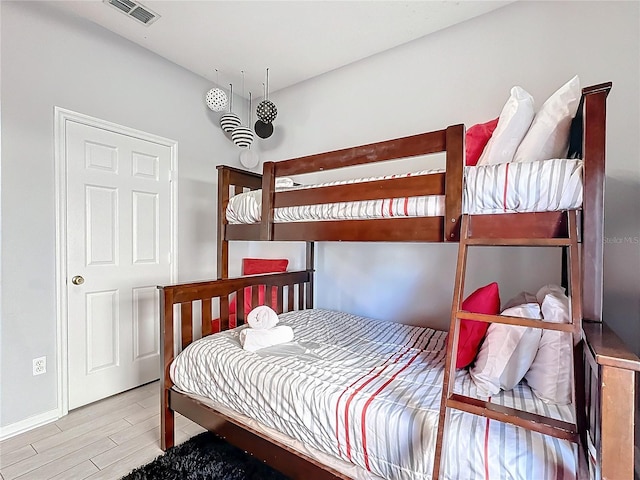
(77, 280)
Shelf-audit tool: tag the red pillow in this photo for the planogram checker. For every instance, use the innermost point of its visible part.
(256, 266)
(476, 139)
(484, 300)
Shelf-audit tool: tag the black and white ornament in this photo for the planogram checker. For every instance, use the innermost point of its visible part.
(229, 120)
(263, 129)
(216, 99)
(267, 110)
(243, 136)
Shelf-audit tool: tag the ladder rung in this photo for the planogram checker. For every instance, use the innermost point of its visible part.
(520, 418)
(518, 321)
(518, 242)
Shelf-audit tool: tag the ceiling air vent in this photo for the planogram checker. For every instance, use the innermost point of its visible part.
(134, 10)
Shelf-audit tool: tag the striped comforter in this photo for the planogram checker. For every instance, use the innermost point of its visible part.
(368, 392)
(547, 185)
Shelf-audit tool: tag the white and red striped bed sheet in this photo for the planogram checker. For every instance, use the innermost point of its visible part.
(547, 185)
(368, 392)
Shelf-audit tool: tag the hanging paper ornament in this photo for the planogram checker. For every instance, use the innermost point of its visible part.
(249, 158)
(243, 136)
(229, 120)
(266, 110)
(216, 99)
(263, 129)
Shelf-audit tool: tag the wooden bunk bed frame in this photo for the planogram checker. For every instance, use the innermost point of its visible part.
(605, 369)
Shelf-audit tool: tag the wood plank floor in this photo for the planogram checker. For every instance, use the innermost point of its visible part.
(104, 440)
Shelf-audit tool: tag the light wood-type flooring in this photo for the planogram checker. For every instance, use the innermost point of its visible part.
(104, 440)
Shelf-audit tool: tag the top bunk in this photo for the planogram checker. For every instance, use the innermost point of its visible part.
(423, 206)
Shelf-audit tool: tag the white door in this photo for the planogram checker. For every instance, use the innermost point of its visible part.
(118, 250)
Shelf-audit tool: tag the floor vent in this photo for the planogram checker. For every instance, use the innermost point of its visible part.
(134, 10)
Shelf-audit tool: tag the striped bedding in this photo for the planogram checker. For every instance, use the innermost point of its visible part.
(368, 392)
(547, 185)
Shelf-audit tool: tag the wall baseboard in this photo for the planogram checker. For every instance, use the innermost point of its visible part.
(28, 424)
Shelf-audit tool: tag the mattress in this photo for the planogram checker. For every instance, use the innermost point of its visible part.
(368, 392)
(547, 185)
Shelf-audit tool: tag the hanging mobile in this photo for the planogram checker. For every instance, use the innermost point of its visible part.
(267, 111)
(242, 135)
(229, 120)
(216, 98)
(263, 129)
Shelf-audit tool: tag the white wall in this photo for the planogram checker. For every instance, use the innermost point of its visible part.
(463, 74)
(49, 59)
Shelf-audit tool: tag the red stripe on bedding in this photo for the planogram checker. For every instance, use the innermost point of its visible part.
(506, 185)
(391, 207)
(346, 408)
(340, 398)
(398, 356)
(406, 206)
(486, 448)
(345, 391)
(368, 402)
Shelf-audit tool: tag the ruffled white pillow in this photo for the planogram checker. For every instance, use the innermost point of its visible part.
(550, 374)
(548, 136)
(515, 119)
(507, 352)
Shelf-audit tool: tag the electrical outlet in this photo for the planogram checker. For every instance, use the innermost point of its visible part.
(39, 365)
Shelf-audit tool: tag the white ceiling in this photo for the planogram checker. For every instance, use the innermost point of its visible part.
(296, 40)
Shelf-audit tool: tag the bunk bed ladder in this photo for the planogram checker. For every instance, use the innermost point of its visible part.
(556, 229)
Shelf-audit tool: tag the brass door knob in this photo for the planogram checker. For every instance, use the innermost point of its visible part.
(77, 280)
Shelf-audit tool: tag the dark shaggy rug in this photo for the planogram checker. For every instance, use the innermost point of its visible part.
(205, 457)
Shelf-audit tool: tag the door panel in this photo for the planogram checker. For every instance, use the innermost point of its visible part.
(118, 241)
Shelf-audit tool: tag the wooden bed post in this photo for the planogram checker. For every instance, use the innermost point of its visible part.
(611, 402)
(223, 244)
(593, 116)
(231, 181)
(310, 265)
(167, 417)
(454, 182)
(594, 138)
(268, 187)
(609, 361)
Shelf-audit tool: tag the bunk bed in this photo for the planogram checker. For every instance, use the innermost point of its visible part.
(604, 368)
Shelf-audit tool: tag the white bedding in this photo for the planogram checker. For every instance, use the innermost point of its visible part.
(368, 392)
(547, 185)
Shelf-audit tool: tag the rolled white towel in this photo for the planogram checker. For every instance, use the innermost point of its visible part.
(262, 318)
(252, 340)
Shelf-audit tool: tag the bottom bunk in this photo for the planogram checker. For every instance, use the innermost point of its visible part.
(374, 396)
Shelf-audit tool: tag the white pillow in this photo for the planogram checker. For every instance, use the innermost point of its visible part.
(521, 299)
(507, 352)
(548, 136)
(546, 290)
(515, 119)
(550, 373)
